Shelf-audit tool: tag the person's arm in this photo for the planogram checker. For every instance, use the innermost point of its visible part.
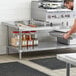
(73, 30)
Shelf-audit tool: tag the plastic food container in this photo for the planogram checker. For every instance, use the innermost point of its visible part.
(15, 38)
(66, 41)
(28, 38)
(34, 37)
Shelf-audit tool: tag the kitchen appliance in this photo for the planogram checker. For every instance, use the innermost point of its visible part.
(48, 10)
(51, 4)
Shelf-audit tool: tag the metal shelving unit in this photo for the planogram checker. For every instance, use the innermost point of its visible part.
(46, 44)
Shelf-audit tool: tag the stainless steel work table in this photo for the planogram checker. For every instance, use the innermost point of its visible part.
(45, 44)
(69, 59)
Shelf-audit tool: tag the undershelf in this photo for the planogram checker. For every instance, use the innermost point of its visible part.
(44, 45)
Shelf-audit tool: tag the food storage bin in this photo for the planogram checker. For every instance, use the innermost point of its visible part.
(15, 38)
(34, 37)
(66, 41)
(26, 38)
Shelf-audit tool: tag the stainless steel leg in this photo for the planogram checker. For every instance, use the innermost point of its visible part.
(7, 50)
(7, 39)
(20, 45)
(20, 55)
(68, 69)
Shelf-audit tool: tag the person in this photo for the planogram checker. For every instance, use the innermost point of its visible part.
(68, 4)
(73, 29)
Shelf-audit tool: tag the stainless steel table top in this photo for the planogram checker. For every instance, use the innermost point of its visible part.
(68, 58)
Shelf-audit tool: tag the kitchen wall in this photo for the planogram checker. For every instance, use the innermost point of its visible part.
(14, 10)
(11, 10)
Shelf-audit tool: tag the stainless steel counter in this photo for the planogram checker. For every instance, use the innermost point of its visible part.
(69, 59)
(44, 44)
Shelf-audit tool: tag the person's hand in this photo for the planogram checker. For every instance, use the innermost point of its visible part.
(66, 35)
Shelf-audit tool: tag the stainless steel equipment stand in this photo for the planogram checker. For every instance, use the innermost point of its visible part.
(68, 69)
(70, 59)
(7, 39)
(43, 45)
(20, 45)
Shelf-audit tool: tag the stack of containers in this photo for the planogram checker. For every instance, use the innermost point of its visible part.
(15, 38)
(34, 37)
(29, 38)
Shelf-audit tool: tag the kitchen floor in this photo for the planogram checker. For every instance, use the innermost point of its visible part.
(38, 55)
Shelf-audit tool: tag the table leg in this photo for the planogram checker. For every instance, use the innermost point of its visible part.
(20, 55)
(68, 69)
(20, 44)
(8, 50)
(7, 39)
